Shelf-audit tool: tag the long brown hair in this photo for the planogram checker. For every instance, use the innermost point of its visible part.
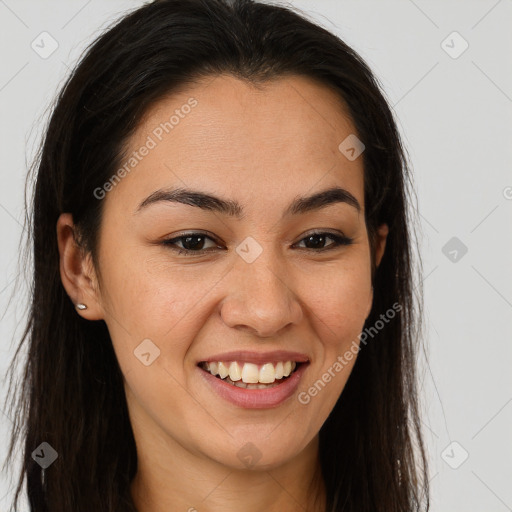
(72, 395)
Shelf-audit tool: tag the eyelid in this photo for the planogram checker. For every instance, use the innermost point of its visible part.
(340, 240)
(185, 234)
(325, 231)
(209, 234)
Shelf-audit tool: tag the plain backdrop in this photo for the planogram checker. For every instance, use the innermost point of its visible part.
(446, 70)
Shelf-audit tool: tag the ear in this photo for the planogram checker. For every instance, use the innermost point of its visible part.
(77, 271)
(380, 245)
(380, 242)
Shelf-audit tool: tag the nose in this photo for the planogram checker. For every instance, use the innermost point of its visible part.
(260, 297)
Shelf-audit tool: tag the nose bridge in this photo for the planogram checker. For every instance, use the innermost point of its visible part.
(260, 296)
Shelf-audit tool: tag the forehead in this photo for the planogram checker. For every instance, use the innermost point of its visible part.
(277, 139)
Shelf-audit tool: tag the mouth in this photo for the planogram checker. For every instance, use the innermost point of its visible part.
(250, 375)
(250, 385)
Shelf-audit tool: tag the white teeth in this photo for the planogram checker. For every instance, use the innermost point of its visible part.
(267, 374)
(240, 384)
(279, 370)
(222, 370)
(250, 373)
(235, 372)
(214, 367)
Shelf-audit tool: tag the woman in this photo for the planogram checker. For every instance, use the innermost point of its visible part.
(223, 314)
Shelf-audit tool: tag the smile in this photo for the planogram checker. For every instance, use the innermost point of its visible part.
(250, 375)
(250, 385)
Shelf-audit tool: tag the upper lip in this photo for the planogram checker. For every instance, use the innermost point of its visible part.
(258, 357)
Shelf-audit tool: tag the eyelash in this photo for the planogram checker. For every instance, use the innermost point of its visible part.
(338, 242)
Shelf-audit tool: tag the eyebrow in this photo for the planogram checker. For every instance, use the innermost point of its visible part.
(231, 208)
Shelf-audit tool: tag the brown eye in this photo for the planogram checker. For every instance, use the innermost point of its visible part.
(316, 241)
(191, 242)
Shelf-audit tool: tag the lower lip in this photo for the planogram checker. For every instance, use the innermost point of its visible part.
(255, 398)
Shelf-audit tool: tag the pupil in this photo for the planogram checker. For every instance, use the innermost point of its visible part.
(319, 237)
(193, 246)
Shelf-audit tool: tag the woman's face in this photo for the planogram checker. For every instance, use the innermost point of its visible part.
(258, 281)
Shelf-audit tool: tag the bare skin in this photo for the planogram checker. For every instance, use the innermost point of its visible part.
(262, 148)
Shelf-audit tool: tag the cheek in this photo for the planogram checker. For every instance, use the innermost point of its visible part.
(153, 297)
(340, 298)
(158, 299)
(340, 302)
(150, 294)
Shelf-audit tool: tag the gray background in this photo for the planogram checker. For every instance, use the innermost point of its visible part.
(454, 115)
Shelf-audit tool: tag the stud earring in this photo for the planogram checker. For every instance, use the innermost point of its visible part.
(81, 306)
